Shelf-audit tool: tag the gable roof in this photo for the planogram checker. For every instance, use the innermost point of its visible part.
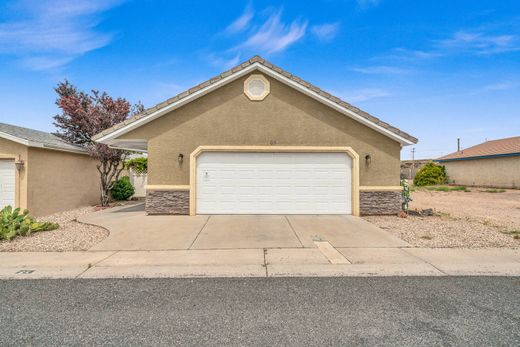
(36, 138)
(255, 63)
(489, 149)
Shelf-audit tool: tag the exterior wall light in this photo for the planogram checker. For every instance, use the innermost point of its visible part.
(368, 159)
(180, 158)
(19, 164)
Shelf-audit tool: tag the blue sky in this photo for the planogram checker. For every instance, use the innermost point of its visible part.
(436, 69)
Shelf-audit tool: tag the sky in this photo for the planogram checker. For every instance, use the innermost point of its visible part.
(439, 70)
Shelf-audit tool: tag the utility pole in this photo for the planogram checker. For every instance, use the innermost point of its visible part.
(413, 162)
(458, 144)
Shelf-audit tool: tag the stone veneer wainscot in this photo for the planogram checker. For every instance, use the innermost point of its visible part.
(168, 202)
(379, 202)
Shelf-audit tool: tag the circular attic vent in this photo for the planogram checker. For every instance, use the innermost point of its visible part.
(256, 87)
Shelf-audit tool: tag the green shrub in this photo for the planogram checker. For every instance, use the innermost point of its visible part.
(122, 189)
(137, 165)
(460, 188)
(430, 174)
(493, 190)
(448, 188)
(14, 223)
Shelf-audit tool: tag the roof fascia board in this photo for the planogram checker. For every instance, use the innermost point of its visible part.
(255, 66)
(129, 149)
(54, 148)
(37, 144)
(15, 139)
(479, 157)
(114, 144)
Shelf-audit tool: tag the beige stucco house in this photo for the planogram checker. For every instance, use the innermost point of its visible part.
(259, 140)
(493, 163)
(42, 173)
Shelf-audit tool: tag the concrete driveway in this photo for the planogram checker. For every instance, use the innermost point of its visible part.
(131, 229)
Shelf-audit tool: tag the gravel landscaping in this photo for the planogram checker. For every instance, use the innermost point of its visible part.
(472, 219)
(70, 236)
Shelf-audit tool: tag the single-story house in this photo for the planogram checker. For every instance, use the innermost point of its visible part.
(44, 174)
(258, 140)
(493, 163)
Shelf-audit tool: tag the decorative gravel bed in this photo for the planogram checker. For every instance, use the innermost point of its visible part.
(70, 236)
(467, 220)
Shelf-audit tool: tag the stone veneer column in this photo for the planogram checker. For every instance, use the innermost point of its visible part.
(168, 202)
(379, 202)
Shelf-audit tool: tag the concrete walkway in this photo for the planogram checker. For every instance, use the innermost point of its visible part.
(261, 263)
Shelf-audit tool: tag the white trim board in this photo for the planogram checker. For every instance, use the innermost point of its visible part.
(108, 138)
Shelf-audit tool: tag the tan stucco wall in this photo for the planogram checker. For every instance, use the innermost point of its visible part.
(285, 118)
(9, 148)
(493, 172)
(59, 181)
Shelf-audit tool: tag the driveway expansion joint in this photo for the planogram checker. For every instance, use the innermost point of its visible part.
(294, 231)
(200, 231)
(90, 266)
(423, 260)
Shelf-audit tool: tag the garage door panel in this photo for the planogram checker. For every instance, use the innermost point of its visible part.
(7, 183)
(273, 183)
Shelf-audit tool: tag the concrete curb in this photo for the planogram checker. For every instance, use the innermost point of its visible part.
(279, 262)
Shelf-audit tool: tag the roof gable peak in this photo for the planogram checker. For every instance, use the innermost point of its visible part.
(255, 63)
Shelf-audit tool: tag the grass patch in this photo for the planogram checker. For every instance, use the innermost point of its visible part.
(492, 190)
(515, 233)
(448, 188)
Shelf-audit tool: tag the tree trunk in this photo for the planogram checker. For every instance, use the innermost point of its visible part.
(104, 170)
(109, 172)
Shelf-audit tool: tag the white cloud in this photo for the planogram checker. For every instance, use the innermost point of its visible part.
(364, 94)
(415, 54)
(242, 22)
(326, 32)
(225, 62)
(480, 43)
(274, 35)
(495, 87)
(380, 70)
(501, 86)
(51, 33)
(461, 42)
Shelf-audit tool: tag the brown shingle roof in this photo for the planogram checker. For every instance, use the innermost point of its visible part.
(259, 60)
(506, 146)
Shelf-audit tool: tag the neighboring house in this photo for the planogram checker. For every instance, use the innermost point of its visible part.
(493, 163)
(44, 174)
(259, 140)
(410, 167)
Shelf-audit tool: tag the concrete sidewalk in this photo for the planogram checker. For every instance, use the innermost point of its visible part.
(322, 260)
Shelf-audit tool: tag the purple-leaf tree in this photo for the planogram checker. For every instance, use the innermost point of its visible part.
(85, 115)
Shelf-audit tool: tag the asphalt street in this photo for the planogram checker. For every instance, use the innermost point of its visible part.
(401, 311)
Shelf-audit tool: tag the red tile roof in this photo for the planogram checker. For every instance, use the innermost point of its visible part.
(506, 146)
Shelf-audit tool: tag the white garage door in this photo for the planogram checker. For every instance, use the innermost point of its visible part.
(7, 183)
(273, 183)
